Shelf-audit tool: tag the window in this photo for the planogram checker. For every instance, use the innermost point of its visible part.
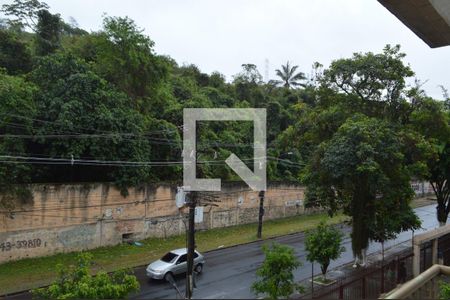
(169, 257)
(182, 259)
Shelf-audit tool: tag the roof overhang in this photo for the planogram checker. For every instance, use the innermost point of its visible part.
(428, 19)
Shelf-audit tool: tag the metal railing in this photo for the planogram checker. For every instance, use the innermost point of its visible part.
(372, 281)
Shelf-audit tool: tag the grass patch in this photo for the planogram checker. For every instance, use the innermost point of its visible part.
(34, 272)
(423, 201)
(323, 281)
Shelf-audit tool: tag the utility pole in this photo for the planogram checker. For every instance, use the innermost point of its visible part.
(312, 280)
(261, 213)
(190, 244)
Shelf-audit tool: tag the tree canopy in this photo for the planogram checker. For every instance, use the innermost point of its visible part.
(25, 12)
(76, 282)
(106, 107)
(360, 146)
(323, 244)
(289, 78)
(359, 166)
(432, 119)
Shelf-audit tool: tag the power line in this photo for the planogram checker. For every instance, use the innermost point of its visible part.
(79, 127)
(104, 134)
(65, 161)
(152, 140)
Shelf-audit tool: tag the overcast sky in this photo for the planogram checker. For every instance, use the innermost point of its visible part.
(220, 35)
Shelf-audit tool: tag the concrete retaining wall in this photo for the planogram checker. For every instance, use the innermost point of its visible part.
(64, 218)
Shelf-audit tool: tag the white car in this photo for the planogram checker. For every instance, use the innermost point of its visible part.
(173, 263)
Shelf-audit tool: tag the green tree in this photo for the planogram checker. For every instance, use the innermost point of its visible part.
(192, 71)
(356, 125)
(323, 244)
(288, 76)
(74, 101)
(78, 283)
(276, 278)
(249, 74)
(25, 12)
(248, 86)
(16, 98)
(15, 56)
(362, 164)
(48, 33)
(375, 82)
(125, 57)
(432, 120)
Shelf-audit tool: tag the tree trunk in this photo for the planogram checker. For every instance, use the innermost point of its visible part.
(360, 222)
(442, 193)
(364, 257)
(441, 212)
(324, 268)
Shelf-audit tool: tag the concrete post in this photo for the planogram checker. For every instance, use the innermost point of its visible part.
(434, 253)
(261, 213)
(416, 260)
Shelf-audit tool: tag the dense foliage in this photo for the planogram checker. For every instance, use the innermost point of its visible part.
(275, 276)
(78, 283)
(103, 106)
(362, 144)
(432, 120)
(444, 288)
(360, 166)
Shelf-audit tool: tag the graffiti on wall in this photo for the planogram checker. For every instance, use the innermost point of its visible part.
(21, 244)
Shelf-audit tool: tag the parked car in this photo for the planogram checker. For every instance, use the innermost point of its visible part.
(173, 263)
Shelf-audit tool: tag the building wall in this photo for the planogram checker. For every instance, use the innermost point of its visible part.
(422, 188)
(64, 218)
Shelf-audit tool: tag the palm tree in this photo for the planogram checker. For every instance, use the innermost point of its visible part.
(288, 77)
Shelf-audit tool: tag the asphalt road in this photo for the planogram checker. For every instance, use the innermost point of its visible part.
(229, 273)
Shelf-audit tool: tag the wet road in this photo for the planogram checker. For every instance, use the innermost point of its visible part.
(229, 272)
